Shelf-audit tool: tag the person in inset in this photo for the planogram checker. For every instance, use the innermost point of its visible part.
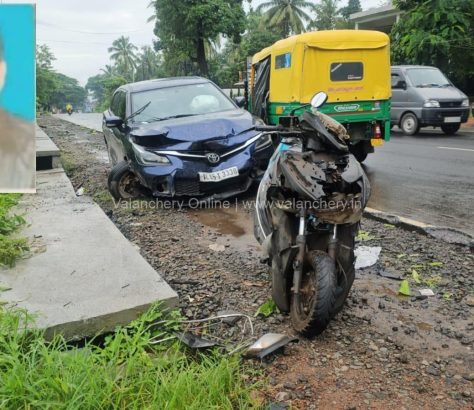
(17, 146)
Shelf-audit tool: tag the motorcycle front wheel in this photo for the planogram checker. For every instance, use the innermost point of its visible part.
(317, 302)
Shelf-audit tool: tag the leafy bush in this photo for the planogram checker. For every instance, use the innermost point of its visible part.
(10, 248)
(126, 371)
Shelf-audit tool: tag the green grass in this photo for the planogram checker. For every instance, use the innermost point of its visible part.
(10, 248)
(126, 372)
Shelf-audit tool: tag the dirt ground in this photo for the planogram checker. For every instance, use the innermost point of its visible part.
(382, 351)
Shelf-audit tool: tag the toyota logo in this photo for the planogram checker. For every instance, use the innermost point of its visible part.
(213, 158)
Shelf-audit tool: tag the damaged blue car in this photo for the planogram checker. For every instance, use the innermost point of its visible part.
(182, 137)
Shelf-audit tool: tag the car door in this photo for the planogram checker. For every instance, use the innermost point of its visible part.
(115, 136)
(399, 95)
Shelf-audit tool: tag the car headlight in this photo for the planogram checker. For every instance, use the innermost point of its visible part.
(145, 157)
(263, 142)
(465, 103)
(431, 104)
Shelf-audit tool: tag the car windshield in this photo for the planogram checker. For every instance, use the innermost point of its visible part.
(427, 77)
(179, 101)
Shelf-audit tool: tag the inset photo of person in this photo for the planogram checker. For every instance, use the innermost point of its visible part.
(17, 98)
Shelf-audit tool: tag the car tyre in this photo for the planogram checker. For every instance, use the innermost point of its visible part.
(409, 124)
(450, 129)
(359, 151)
(122, 182)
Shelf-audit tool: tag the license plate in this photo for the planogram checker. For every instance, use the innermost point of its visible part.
(452, 119)
(218, 175)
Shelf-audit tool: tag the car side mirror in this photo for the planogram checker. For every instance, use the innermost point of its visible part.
(240, 101)
(402, 85)
(112, 121)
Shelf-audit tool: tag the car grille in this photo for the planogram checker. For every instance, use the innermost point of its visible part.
(451, 113)
(450, 104)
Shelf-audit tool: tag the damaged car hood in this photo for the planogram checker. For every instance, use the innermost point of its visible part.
(216, 132)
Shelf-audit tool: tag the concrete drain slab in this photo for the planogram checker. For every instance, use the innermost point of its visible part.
(83, 277)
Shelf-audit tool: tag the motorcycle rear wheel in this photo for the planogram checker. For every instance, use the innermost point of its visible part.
(316, 308)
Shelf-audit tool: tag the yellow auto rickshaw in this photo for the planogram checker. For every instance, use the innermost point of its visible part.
(351, 66)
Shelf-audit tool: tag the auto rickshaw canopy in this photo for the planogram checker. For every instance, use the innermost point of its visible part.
(349, 65)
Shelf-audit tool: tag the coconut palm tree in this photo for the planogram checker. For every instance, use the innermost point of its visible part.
(108, 70)
(288, 16)
(151, 5)
(327, 15)
(124, 54)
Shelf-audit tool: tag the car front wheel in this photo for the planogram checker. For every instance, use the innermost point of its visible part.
(450, 129)
(409, 124)
(123, 183)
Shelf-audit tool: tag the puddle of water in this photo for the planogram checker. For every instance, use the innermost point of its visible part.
(233, 224)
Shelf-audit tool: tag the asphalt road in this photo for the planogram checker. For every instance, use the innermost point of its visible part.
(428, 177)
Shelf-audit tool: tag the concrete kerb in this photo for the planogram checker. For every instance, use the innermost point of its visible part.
(449, 235)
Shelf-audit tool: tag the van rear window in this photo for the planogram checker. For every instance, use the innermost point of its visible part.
(353, 71)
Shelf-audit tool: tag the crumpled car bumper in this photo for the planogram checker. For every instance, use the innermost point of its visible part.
(180, 179)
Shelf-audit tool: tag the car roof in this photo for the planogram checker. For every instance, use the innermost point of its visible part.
(412, 66)
(163, 83)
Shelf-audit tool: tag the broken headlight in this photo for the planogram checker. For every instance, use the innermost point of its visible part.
(145, 157)
(263, 142)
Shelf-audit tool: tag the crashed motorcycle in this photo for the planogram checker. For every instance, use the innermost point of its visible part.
(307, 214)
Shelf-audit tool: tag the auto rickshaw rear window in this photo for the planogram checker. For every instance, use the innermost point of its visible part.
(283, 61)
(353, 71)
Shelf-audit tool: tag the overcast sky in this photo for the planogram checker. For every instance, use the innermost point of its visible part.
(80, 31)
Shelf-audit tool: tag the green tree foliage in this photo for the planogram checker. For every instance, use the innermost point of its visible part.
(226, 67)
(183, 28)
(103, 86)
(327, 13)
(54, 90)
(353, 6)
(123, 53)
(149, 64)
(287, 16)
(438, 33)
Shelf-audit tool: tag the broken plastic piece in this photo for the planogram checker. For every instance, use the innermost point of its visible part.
(390, 275)
(426, 292)
(193, 341)
(267, 344)
(366, 256)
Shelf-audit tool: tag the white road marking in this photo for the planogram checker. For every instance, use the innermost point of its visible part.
(457, 149)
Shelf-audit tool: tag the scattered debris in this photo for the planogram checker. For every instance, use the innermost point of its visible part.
(366, 256)
(404, 288)
(195, 342)
(267, 344)
(267, 309)
(426, 292)
(364, 236)
(230, 317)
(390, 275)
(217, 247)
(416, 276)
(80, 191)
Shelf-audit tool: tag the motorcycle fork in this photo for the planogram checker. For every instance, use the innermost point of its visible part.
(299, 260)
(332, 244)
